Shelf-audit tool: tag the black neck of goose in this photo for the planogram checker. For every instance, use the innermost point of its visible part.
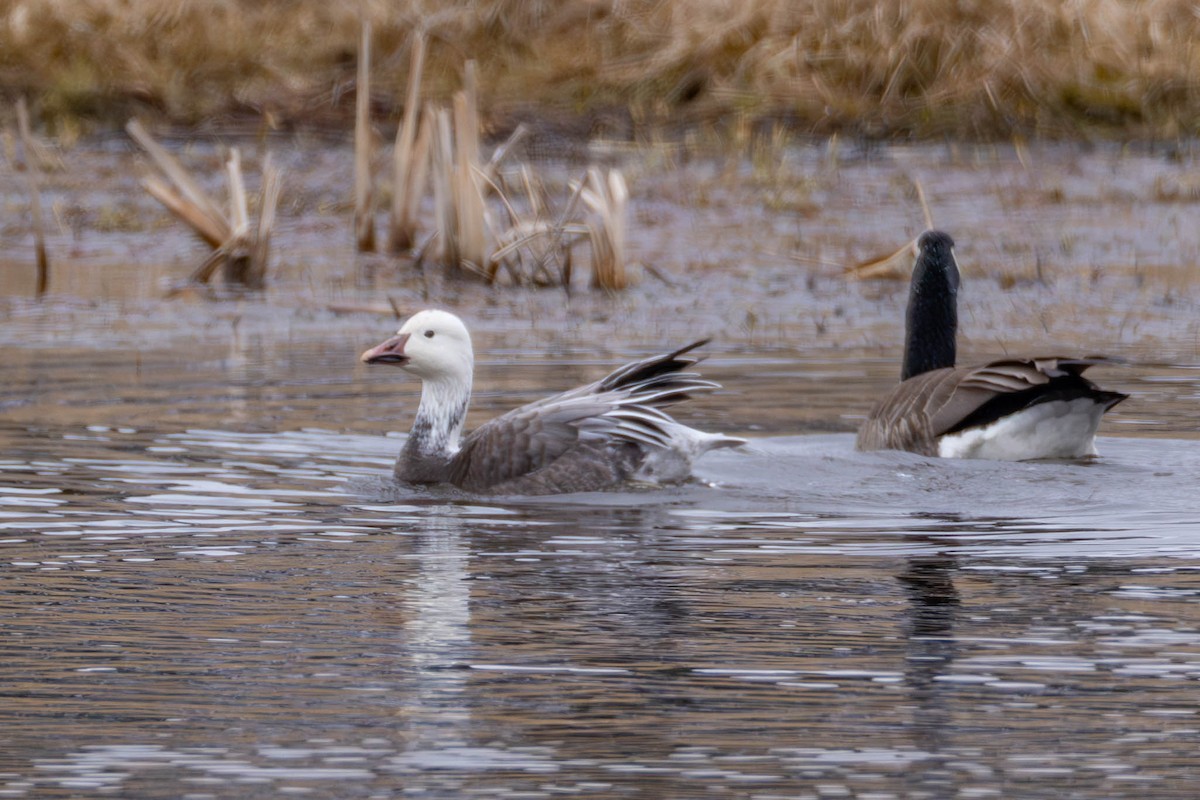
(932, 323)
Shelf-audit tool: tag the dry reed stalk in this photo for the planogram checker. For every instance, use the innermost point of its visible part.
(533, 238)
(472, 225)
(897, 265)
(239, 211)
(418, 180)
(445, 214)
(924, 205)
(237, 267)
(459, 178)
(567, 264)
(243, 255)
(213, 231)
(501, 152)
(208, 267)
(533, 251)
(364, 222)
(538, 250)
(411, 158)
(260, 251)
(534, 194)
(364, 308)
(33, 173)
(608, 199)
(893, 266)
(187, 186)
(520, 237)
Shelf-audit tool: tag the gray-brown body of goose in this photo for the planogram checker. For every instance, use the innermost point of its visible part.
(591, 438)
(1011, 409)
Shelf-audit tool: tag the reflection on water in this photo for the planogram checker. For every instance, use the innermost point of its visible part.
(209, 613)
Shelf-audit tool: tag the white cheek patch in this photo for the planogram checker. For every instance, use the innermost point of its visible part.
(1061, 429)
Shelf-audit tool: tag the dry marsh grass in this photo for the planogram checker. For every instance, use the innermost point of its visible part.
(982, 68)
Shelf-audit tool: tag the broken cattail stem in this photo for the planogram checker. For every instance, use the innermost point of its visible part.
(468, 113)
(364, 223)
(219, 256)
(407, 168)
(415, 188)
(893, 266)
(213, 232)
(260, 251)
(467, 191)
(243, 257)
(187, 186)
(32, 171)
(239, 211)
(608, 199)
(238, 267)
(446, 220)
(619, 227)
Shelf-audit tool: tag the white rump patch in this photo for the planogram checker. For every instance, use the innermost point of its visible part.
(1060, 429)
(674, 464)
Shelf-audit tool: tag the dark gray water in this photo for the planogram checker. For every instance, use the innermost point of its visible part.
(211, 590)
(222, 613)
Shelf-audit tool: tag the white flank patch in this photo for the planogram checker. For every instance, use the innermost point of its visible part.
(674, 464)
(1061, 429)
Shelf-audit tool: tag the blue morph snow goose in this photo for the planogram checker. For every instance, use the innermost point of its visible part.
(591, 438)
(1011, 409)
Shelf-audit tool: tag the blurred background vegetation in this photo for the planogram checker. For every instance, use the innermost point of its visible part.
(981, 69)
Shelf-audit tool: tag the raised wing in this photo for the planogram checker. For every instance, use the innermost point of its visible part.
(624, 407)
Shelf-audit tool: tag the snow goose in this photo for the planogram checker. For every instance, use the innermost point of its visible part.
(1011, 409)
(590, 438)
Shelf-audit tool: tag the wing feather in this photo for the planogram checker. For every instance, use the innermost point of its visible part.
(623, 408)
(919, 410)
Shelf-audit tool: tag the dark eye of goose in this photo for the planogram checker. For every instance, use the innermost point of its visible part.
(428, 334)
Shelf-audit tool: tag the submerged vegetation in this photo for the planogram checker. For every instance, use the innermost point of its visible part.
(929, 67)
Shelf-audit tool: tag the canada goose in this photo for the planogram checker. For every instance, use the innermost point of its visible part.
(1011, 409)
(590, 438)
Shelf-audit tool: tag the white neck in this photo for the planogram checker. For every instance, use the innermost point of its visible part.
(441, 415)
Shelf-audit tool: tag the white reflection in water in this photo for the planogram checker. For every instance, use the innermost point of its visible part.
(473, 759)
(107, 766)
(437, 629)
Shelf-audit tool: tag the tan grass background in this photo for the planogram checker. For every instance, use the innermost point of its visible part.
(978, 68)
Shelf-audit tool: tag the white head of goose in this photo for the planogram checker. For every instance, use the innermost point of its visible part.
(590, 438)
(1011, 409)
